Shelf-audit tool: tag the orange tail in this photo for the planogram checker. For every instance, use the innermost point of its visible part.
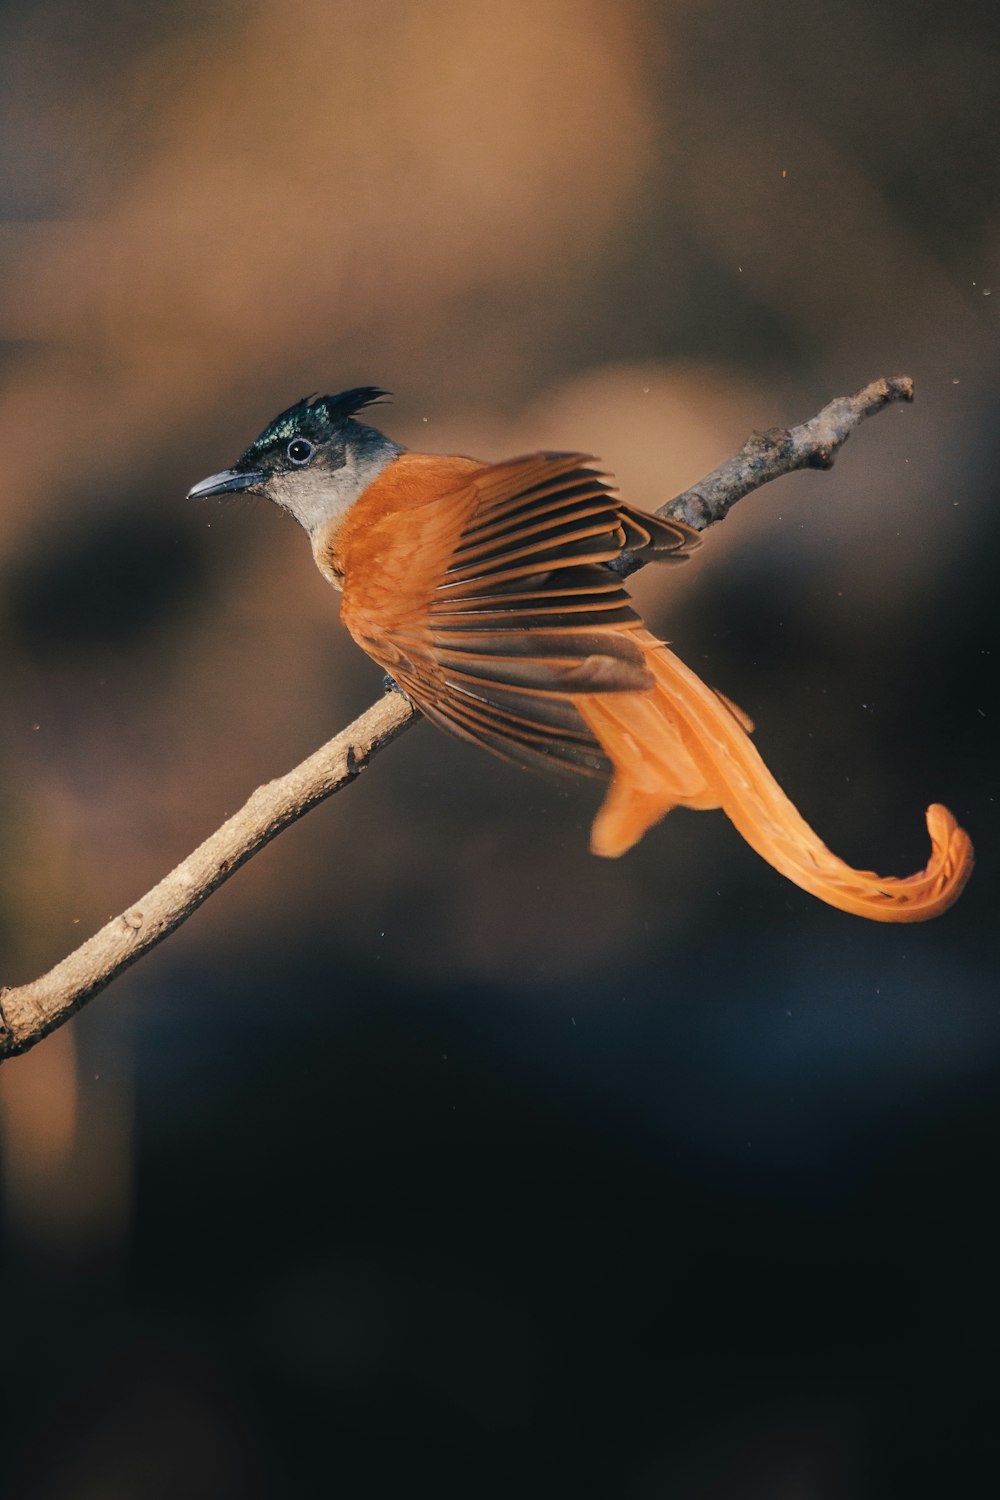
(682, 745)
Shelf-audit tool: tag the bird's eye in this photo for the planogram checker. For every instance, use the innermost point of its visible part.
(300, 450)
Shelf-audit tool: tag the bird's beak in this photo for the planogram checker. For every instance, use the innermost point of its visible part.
(227, 483)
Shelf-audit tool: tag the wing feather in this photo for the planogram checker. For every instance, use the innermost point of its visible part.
(513, 614)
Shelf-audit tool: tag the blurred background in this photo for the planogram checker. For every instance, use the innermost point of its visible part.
(433, 1150)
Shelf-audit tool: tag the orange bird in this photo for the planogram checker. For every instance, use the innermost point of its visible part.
(483, 589)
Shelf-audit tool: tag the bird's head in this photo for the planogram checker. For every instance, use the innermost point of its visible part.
(313, 460)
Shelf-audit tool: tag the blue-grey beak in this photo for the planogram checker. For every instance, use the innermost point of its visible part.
(227, 483)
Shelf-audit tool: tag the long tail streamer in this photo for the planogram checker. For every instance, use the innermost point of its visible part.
(683, 745)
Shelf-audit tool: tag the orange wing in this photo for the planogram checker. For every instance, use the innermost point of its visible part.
(491, 607)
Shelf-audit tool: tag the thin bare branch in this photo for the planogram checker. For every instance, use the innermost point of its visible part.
(780, 450)
(783, 450)
(30, 1011)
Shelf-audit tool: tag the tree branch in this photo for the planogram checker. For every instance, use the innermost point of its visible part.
(30, 1011)
(782, 450)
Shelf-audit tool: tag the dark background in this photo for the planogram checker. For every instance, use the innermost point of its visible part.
(434, 1153)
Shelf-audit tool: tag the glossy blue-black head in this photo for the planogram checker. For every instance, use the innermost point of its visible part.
(313, 460)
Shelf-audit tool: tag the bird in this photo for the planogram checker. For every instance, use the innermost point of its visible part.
(488, 592)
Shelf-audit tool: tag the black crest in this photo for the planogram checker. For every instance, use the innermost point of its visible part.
(339, 408)
(319, 418)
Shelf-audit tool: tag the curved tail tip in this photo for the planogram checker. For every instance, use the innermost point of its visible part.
(952, 854)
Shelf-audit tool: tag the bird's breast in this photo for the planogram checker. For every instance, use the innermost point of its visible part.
(351, 546)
